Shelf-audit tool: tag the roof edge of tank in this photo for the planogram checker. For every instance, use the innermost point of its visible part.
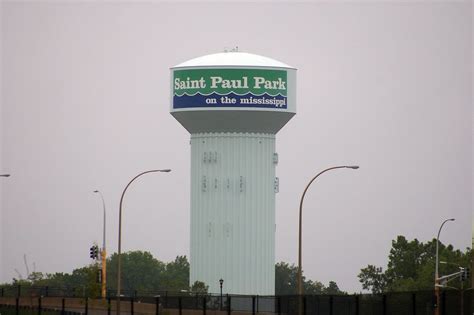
(232, 59)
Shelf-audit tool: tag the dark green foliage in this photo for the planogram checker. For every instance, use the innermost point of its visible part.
(411, 266)
(143, 273)
(140, 271)
(286, 282)
(176, 277)
(285, 278)
(199, 287)
(82, 281)
(332, 288)
(373, 278)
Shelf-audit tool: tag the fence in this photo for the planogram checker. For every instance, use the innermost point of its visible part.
(19, 307)
(62, 301)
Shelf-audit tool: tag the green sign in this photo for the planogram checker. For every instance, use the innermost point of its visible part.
(229, 88)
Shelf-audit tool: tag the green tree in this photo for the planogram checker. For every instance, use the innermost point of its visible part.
(57, 279)
(405, 260)
(82, 280)
(35, 277)
(285, 278)
(313, 287)
(286, 282)
(145, 274)
(411, 266)
(199, 287)
(373, 279)
(332, 288)
(139, 270)
(176, 276)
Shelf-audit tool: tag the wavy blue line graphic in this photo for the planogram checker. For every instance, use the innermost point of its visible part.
(179, 93)
(230, 100)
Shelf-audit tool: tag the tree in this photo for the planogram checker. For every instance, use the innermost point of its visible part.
(143, 273)
(35, 277)
(332, 288)
(87, 277)
(285, 278)
(82, 280)
(313, 287)
(199, 287)
(286, 282)
(373, 279)
(176, 275)
(411, 266)
(140, 271)
(406, 259)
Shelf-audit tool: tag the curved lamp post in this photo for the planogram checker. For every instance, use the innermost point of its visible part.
(300, 282)
(120, 232)
(104, 252)
(437, 268)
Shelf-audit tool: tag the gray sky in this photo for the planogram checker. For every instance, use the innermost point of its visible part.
(85, 106)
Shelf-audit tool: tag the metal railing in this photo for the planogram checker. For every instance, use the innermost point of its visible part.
(155, 303)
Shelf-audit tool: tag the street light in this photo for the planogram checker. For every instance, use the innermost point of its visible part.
(120, 232)
(300, 280)
(221, 282)
(4, 175)
(437, 267)
(104, 252)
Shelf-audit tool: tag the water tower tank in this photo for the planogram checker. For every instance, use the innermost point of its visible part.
(233, 104)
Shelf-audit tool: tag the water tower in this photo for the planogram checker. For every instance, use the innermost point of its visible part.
(233, 104)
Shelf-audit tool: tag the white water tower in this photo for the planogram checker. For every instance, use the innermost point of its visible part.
(233, 104)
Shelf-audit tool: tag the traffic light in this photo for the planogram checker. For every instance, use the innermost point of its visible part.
(94, 252)
(465, 274)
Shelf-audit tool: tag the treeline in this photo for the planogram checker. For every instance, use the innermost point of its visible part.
(143, 273)
(411, 267)
(286, 282)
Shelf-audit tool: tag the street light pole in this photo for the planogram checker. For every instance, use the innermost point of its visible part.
(104, 251)
(4, 175)
(221, 282)
(120, 232)
(437, 267)
(300, 280)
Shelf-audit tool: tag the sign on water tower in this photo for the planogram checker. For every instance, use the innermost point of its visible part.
(233, 104)
(255, 88)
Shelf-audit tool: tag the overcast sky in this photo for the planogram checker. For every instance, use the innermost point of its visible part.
(85, 106)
